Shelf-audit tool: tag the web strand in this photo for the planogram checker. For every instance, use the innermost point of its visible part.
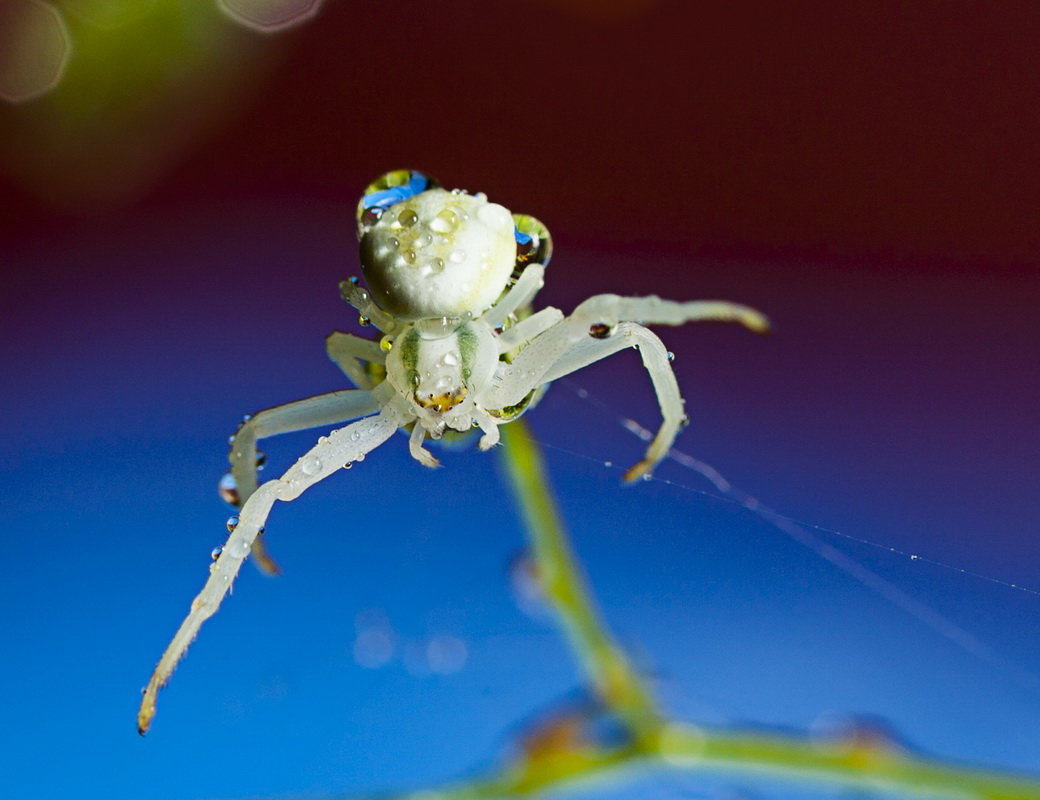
(805, 534)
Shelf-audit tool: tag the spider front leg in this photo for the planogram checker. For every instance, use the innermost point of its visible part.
(350, 353)
(594, 331)
(323, 409)
(338, 449)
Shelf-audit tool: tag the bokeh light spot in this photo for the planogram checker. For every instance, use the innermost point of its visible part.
(270, 16)
(34, 49)
(108, 14)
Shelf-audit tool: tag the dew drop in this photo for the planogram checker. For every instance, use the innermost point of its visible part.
(370, 216)
(445, 222)
(232, 523)
(311, 465)
(227, 488)
(214, 554)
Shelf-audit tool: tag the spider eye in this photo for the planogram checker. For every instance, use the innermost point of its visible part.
(389, 189)
(533, 241)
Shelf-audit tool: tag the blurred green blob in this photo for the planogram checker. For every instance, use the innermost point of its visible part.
(108, 13)
(146, 79)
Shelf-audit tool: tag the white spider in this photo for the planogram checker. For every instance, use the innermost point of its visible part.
(451, 278)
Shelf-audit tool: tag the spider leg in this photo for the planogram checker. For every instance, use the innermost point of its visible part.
(527, 328)
(350, 352)
(584, 351)
(323, 409)
(610, 309)
(594, 331)
(332, 452)
(523, 291)
(417, 451)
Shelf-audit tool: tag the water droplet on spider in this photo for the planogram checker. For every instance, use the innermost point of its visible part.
(355, 435)
(311, 465)
(608, 464)
(671, 356)
(407, 218)
(370, 216)
(409, 257)
(348, 465)
(386, 344)
(232, 523)
(914, 557)
(360, 457)
(647, 476)
(395, 242)
(445, 222)
(435, 266)
(450, 359)
(364, 321)
(457, 256)
(424, 241)
(214, 554)
(261, 459)
(227, 488)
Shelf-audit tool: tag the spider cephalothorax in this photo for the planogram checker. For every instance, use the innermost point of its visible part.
(450, 281)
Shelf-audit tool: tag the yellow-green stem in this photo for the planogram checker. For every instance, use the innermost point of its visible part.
(605, 663)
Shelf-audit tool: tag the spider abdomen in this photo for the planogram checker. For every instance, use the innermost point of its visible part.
(439, 254)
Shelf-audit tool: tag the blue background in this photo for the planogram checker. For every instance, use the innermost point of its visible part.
(896, 402)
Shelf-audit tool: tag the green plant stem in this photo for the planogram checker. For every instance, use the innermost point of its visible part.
(616, 682)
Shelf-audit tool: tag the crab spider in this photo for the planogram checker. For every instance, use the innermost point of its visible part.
(450, 282)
